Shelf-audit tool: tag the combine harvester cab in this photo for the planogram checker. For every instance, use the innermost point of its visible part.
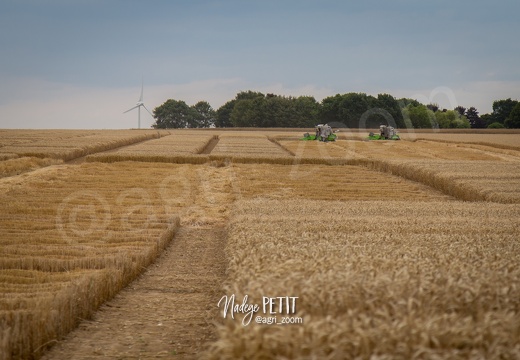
(322, 133)
(385, 133)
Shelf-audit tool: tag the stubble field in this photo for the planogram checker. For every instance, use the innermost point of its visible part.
(405, 249)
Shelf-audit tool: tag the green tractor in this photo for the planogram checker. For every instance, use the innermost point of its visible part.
(385, 133)
(322, 133)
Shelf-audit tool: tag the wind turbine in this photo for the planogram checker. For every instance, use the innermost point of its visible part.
(138, 106)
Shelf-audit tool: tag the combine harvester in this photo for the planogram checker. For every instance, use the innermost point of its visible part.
(385, 133)
(323, 133)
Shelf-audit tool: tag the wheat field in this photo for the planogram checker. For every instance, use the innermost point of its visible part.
(376, 279)
(404, 249)
(68, 144)
(27, 150)
(324, 182)
(164, 149)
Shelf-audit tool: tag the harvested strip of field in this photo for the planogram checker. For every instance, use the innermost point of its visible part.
(318, 149)
(504, 141)
(69, 144)
(17, 166)
(248, 146)
(375, 279)
(420, 150)
(507, 154)
(465, 180)
(165, 149)
(352, 149)
(167, 312)
(72, 236)
(322, 182)
(467, 174)
(8, 156)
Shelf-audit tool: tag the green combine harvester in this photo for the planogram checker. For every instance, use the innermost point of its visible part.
(385, 133)
(323, 133)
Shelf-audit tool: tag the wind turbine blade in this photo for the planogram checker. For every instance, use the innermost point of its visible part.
(142, 86)
(131, 109)
(148, 111)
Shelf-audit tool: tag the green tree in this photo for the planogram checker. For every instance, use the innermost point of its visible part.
(271, 111)
(353, 106)
(461, 110)
(433, 107)
(496, 125)
(356, 110)
(474, 120)
(461, 123)
(247, 113)
(223, 116)
(240, 115)
(203, 115)
(451, 119)
(253, 109)
(173, 114)
(513, 120)
(389, 103)
(350, 110)
(420, 117)
(249, 95)
(404, 102)
(224, 113)
(486, 119)
(444, 118)
(305, 110)
(329, 111)
(502, 109)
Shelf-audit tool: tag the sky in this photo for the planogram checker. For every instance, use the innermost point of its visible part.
(79, 64)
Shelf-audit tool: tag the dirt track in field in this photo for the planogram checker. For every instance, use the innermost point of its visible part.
(168, 312)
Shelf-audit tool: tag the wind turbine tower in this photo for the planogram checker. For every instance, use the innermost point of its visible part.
(138, 107)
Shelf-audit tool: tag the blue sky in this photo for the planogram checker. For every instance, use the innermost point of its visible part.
(79, 63)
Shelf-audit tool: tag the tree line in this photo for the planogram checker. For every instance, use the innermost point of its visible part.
(351, 110)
